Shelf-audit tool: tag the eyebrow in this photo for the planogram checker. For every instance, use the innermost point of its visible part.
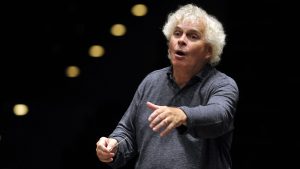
(190, 30)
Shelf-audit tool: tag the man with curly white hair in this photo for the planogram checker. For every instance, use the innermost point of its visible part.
(181, 116)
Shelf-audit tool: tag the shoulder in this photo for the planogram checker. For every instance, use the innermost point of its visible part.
(218, 79)
(154, 78)
(157, 74)
(222, 77)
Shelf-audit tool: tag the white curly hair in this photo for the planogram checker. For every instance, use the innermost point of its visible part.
(213, 33)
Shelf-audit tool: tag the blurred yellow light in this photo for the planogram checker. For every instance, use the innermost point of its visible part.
(20, 109)
(139, 10)
(118, 30)
(96, 51)
(72, 71)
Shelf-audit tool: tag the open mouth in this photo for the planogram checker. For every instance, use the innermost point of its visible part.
(180, 53)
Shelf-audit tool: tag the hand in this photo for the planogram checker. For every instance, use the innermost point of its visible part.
(167, 117)
(106, 149)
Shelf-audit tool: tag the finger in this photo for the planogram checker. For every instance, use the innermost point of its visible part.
(167, 130)
(154, 114)
(152, 106)
(100, 141)
(160, 124)
(104, 156)
(107, 160)
(102, 144)
(112, 143)
(156, 118)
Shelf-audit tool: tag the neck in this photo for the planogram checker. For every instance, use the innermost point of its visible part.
(183, 76)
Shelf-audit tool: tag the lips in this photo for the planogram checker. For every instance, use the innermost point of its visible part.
(180, 53)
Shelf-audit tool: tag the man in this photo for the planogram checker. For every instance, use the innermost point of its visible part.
(181, 116)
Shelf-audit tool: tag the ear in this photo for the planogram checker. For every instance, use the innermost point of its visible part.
(208, 51)
(169, 55)
(168, 44)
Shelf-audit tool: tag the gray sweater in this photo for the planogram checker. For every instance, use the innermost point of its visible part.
(209, 101)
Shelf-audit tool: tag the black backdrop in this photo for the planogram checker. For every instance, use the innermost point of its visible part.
(68, 116)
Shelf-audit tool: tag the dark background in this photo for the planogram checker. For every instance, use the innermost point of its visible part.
(68, 115)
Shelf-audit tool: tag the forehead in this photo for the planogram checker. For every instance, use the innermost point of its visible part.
(190, 25)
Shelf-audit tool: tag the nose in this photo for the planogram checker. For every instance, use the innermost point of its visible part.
(182, 40)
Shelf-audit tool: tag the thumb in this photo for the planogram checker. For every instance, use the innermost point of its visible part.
(111, 143)
(152, 106)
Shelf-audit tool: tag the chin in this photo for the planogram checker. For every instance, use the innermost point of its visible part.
(178, 63)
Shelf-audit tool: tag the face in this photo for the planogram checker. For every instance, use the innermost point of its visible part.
(187, 47)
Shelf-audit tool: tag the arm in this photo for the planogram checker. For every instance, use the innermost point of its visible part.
(125, 133)
(216, 117)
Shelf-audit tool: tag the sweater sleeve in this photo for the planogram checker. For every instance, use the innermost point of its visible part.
(216, 117)
(126, 131)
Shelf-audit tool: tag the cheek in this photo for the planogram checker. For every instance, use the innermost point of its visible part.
(198, 50)
(198, 55)
(171, 45)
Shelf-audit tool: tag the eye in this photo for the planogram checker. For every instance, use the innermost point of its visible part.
(177, 33)
(194, 36)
